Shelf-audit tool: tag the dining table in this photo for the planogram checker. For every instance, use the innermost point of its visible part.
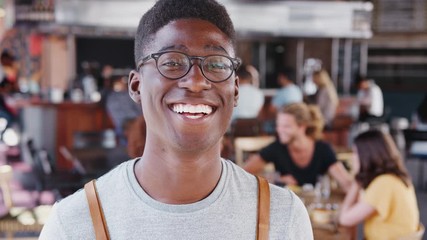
(326, 230)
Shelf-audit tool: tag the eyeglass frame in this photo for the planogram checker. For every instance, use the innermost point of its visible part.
(236, 62)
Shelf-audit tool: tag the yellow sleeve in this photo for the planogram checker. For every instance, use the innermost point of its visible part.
(379, 194)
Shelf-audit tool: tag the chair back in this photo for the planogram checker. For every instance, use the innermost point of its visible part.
(418, 235)
(245, 127)
(250, 144)
(412, 135)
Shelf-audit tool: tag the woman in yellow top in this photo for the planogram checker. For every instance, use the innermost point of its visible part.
(387, 202)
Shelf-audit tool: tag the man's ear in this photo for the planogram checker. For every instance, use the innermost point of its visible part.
(134, 83)
(236, 90)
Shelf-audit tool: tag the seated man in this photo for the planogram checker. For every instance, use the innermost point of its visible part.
(251, 98)
(370, 99)
(121, 108)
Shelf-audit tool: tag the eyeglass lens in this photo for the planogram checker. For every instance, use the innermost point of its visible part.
(175, 65)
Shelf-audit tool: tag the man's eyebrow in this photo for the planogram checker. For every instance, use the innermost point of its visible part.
(174, 47)
(185, 49)
(216, 48)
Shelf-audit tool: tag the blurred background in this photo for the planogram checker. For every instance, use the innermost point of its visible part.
(64, 67)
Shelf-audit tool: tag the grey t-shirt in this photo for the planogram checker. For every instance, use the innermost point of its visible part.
(229, 212)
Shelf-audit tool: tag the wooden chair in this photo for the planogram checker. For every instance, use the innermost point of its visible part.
(250, 144)
(245, 127)
(411, 136)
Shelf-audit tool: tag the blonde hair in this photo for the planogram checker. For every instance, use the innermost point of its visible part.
(308, 115)
(326, 82)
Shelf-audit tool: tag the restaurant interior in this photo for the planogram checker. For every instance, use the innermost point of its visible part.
(67, 72)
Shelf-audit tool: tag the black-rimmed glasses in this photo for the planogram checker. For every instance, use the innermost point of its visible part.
(174, 65)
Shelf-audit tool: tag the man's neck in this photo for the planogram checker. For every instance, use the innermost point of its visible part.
(178, 178)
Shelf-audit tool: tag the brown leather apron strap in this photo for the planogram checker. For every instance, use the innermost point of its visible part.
(100, 224)
(98, 219)
(263, 209)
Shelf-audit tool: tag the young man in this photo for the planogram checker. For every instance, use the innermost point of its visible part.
(181, 188)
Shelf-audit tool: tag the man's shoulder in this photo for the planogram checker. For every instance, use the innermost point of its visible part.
(76, 203)
(72, 212)
(282, 197)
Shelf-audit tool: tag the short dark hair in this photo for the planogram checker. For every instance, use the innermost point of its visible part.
(166, 11)
(288, 72)
(359, 78)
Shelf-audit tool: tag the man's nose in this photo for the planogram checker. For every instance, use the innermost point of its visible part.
(194, 80)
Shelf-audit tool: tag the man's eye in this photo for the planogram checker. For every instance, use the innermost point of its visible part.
(217, 66)
(172, 64)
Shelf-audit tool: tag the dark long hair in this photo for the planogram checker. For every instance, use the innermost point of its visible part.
(379, 155)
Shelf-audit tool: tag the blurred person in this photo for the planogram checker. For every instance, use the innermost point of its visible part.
(388, 205)
(251, 98)
(120, 107)
(419, 122)
(107, 74)
(419, 118)
(369, 98)
(299, 154)
(10, 70)
(8, 85)
(255, 75)
(181, 188)
(135, 132)
(289, 92)
(326, 97)
(88, 80)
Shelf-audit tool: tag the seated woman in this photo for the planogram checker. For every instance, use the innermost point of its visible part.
(389, 204)
(298, 153)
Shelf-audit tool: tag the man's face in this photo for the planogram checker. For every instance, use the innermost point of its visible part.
(190, 113)
(287, 128)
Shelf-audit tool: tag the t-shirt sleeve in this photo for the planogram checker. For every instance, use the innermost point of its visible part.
(377, 193)
(300, 227)
(328, 156)
(52, 229)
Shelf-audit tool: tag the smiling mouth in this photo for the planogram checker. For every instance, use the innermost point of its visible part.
(192, 111)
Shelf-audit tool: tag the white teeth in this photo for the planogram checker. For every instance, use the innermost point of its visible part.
(193, 109)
